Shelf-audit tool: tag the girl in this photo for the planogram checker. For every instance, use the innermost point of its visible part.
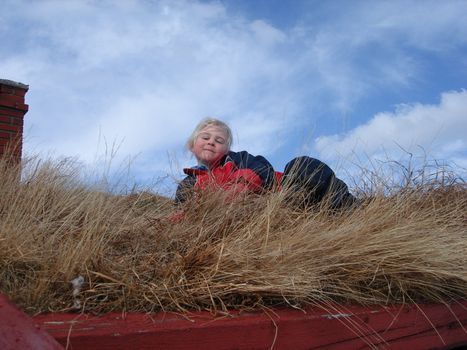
(308, 180)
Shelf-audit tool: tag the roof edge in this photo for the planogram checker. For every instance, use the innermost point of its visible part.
(14, 84)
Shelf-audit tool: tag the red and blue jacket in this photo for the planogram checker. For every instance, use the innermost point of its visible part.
(236, 171)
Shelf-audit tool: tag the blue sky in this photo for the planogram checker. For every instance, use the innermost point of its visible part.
(338, 80)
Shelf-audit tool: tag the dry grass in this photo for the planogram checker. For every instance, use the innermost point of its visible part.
(408, 245)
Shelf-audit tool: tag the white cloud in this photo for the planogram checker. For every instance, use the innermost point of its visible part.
(144, 72)
(266, 33)
(440, 130)
(374, 45)
(249, 131)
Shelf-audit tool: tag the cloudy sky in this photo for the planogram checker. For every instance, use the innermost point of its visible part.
(337, 80)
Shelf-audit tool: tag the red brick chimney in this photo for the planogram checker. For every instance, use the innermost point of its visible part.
(12, 111)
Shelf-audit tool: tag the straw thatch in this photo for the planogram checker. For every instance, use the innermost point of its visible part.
(138, 253)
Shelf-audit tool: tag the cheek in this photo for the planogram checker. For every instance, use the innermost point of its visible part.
(194, 149)
(198, 144)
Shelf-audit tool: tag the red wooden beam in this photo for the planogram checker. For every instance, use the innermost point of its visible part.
(434, 326)
(19, 332)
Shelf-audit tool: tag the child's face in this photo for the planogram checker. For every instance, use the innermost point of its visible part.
(210, 145)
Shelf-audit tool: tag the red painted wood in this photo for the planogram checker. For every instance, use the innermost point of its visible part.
(344, 328)
(18, 331)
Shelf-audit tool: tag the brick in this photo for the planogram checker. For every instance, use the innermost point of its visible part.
(5, 89)
(10, 90)
(11, 142)
(13, 101)
(14, 128)
(10, 146)
(11, 112)
(10, 98)
(20, 92)
(16, 121)
(5, 135)
(19, 108)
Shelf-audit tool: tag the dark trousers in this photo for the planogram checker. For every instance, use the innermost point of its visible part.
(309, 180)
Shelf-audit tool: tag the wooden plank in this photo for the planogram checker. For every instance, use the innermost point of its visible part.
(435, 326)
(18, 331)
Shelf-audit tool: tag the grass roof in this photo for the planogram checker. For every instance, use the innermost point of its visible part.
(400, 244)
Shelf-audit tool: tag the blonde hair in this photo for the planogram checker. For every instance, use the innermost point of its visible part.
(210, 122)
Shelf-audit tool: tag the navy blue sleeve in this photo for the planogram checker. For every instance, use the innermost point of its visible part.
(259, 164)
(185, 189)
